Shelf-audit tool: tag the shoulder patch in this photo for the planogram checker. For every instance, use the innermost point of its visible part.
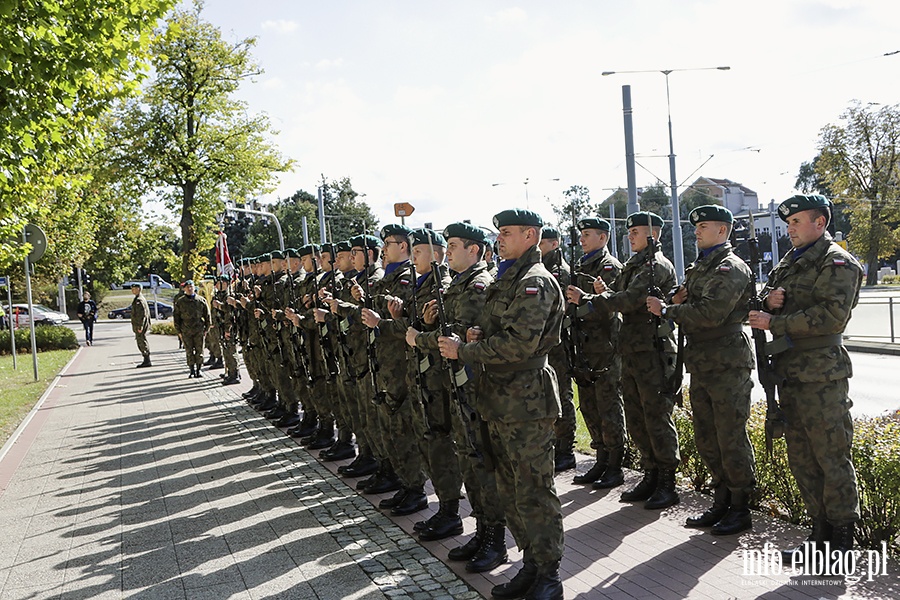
(839, 262)
(479, 286)
(724, 268)
(404, 282)
(532, 291)
(608, 267)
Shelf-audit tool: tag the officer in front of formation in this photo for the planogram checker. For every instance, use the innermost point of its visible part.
(192, 320)
(711, 308)
(140, 322)
(599, 378)
(808, 300)
(648, 360)
(518, 396)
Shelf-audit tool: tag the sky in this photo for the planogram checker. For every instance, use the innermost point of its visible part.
(433, 103)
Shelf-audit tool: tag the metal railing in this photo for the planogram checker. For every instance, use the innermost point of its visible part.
(868, 320)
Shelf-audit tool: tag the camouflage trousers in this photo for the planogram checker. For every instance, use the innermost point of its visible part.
(525, 470)
(193, 347)
(229, 354)
(480, 483)
(143, 346)
(601, 406)
(649, 412)
(367, 428)
(212, 342)
(402, 423)
(819, 435)
(564, 427)
(720, 407)
(438, 446)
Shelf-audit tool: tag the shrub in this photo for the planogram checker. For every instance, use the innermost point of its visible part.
(46, 337)
(165, 328)
(692, 468)
(890, 279)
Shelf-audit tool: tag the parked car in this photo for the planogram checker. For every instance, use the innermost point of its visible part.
(43, 315)
(153, 281)
(165, 311)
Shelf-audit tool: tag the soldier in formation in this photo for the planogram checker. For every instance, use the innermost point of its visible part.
(192, 321)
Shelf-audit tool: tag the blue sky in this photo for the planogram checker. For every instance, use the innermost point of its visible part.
(433, 102)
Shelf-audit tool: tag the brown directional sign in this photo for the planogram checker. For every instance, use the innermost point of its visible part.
(403, 209)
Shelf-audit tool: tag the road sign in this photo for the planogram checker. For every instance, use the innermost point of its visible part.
(4, 282)
(767, 256)
(34, 235)
(403, 209)
(842, 244)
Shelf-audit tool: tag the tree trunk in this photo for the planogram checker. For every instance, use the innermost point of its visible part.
(188, 236)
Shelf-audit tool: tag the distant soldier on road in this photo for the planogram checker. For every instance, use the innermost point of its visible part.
(140, 322)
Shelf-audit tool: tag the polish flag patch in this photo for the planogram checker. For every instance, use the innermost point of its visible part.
(724, 268)
(839, 262)
(607, 267)
(531, 291)
(478, 286)
(404, 282)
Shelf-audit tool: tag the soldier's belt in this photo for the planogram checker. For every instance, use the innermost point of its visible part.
(538, 362)
(779, 345)
(715, 332)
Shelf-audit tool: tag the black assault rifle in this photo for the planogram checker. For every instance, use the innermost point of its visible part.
(671, 384)
(368, 303)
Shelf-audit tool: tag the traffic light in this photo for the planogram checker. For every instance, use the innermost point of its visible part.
(85, 279)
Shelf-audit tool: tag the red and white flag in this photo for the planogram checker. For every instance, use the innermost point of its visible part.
(223, 260)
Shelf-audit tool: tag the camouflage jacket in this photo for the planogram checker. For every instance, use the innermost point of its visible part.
(821, 289)
(390, 337)
(521, 321)
(559, 268)
(463, 303)
(191, 314)
(599, 328)
(140, 314)
(719, 287)
(434, 375)
(349, 311)
(308, 288)
(629, 297)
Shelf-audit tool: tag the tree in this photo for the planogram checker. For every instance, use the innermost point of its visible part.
(62, 64)
(192, 144)
(345, 213)
(809, 181)
(858, 160)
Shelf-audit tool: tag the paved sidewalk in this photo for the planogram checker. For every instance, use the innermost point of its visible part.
(143, 483)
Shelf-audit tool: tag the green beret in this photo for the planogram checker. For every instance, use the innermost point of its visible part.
(799, 203)
(278, 254)
(421, 236)
(264, 258)
(466, 231)
(365, 241)
(135, 284)
(518, 216)
(395, 229)
(189, 282)
(224, 278)
(328, 247)
(210, 278)
(593, 223)
(643, 218)
(307, 250)
(712, 212)
(549, 232)
(290, 253)
(343, 246)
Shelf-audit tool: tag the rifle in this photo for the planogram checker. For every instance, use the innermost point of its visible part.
(296, 336)
(775, 420)
(331, 363)
(284, 361)
(458, 374)
(422, 362)
(371, 355)
(672, 384)
(579, 369)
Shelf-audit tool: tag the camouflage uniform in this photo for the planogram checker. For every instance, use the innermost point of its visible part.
(644, 373)
(564, 428)
(821, 288)
(518, 396)
(191, 316)
(317, 396)
(718, 357)
(600, 389)
(140, 323)
(223, 320)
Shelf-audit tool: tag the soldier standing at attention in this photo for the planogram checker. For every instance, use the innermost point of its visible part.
(648, 360)
(564, 455)
(599, 378)
(226, 322)
(140, 322)
(711, 307)
(191, 316)
(518, 396)
(808, 300)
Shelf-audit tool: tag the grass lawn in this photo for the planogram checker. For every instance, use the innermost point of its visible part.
(18, 389)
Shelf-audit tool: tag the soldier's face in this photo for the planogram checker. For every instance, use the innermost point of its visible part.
(421, 257)
(307, 262)
(277, 265)
(460, 258)
(805, 227)
(325, 261)
(189, 290)
(343, 261)
(547, 246)
(358, 257)
(710, 233)
(592, 239)
(637, 237)
(515, 240)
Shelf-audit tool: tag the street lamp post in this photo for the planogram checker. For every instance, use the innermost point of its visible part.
(677, 249)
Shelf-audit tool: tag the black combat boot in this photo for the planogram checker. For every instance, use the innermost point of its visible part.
(563, 461)
(713, 514)
(841, 545)
(492, 551)
(548, 585)
(276, 413)
(644, 489)
(613, 476)
(218, 364)
(338, 451)
(445, 523)
(289, 419)
(414, 501)
(388, 481)
(665, 495)
(307, 426)
(596, 471)
(468, 550)
(252, 391)
(737, 519)
(519, 585)
(146, 362)
(191, 374)
(231, 378)
(394, 500)
(324, 436)
(269, 402)
(365, 465)
(821, 533)
(209, 360)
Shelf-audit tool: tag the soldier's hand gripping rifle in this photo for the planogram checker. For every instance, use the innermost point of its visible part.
(276, 327)
(371, 356)
(331, 364)
(579, 369)
(458, 375)
(421, 361)
(297, 341)
(671, 385)
(775, 420)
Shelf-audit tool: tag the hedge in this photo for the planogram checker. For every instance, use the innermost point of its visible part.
(47, 337)
(876, 457)
(163, 328)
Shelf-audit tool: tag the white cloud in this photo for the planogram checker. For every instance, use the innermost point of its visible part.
(280, 26)
(327, 64)
(507, 16)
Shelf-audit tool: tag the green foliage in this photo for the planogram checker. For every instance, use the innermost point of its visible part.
(163, 328)
(18, 389)
(345, 213)
(692, 468)
(890, 279)
(46, 337)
